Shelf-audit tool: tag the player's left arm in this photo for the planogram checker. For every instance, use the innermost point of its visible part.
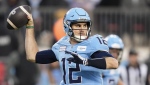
(120, 82)
(96, 60)
(100, 56)
(103, 60)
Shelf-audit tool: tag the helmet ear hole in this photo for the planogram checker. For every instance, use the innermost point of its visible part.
(70, 33)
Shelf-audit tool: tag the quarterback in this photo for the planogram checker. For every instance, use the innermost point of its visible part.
(81, 57)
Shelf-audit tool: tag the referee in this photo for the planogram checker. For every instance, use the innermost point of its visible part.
(134, 73)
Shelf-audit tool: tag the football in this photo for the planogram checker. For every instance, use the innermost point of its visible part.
(17, 18)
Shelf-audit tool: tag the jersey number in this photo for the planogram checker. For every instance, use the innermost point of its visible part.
(101, 40)
(71, 70)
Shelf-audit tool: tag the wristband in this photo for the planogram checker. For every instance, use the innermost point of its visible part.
(29, 27)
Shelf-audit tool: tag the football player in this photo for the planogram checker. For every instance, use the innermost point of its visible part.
(115, 44)
(80, 56)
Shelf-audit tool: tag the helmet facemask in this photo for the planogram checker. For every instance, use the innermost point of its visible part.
(119, 54)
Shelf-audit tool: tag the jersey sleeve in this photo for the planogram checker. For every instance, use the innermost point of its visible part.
(45, 57)
(98, 44)
(55, 49)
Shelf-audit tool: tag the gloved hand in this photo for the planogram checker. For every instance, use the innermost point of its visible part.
(77, 58)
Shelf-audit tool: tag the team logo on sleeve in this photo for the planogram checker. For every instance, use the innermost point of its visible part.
(81, 48)
(62, 48)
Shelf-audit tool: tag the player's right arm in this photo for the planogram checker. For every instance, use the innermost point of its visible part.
(103, 60)
(31, 47)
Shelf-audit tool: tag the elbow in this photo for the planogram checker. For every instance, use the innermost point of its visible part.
(31, 59)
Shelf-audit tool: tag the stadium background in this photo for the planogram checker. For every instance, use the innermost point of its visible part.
(130, 19)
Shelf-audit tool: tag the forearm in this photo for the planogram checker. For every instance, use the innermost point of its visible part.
(30, 45)
(103, 60)
(103, 63)
(98, 63)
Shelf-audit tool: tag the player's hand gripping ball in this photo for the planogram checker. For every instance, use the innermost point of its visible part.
(17, 18)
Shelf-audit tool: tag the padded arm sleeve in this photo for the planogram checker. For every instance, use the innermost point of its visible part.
(45, 57)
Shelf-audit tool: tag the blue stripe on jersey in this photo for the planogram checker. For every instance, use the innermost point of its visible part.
(101, 54)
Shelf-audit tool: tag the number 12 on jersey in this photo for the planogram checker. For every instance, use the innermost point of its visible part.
(71, 70)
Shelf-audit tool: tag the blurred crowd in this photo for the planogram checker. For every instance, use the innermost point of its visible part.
(121, 17)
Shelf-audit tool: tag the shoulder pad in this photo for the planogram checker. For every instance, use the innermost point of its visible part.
(63, 41)
(98, 44)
